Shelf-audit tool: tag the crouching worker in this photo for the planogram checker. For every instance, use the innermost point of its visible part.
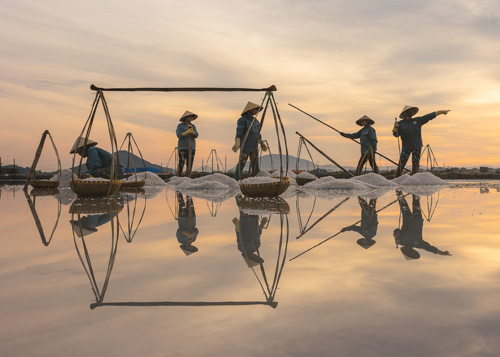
(410, 131)
(368, 140)
(99, 161)
(187, 134)
(247, 134)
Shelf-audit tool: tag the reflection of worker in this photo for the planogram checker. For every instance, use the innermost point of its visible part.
(248, 124)
(369, 223)
(368, 139)
(99, 161)
(248, 232)
(409, 236)
(410, 131)
(87, 225)
(187, 231)
(187, 133)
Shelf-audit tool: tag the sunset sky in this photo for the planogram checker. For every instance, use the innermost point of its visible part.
(336, 59)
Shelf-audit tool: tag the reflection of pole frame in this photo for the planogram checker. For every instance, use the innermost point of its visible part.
(303, 232)
(175, 212)
(431, 207)
(115, 232)
(269, 288)
(280, 132)
(213, 155)
(32, 205)
(130, 153)
(431, 158)
(213, 208)
(130, 222)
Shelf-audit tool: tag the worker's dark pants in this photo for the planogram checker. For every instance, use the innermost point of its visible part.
(403, 159)
(370, 157)
(241, 164)
(183, 157)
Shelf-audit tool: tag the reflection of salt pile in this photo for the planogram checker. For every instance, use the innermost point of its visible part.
(216, 187)
(420, 179)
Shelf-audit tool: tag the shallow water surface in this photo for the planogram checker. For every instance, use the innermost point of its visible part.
(165, 274)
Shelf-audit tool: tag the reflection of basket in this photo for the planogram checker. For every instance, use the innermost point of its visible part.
(44, 184)
(38, 192)
(94, 188)
(271, 189)
(303, 181)
(274, 204)
(87, 205)
(132, 184)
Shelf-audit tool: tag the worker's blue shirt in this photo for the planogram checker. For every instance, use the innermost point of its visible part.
(410, 131)
(98, 159)
(368, 138)
(245, 124)
(188, 140)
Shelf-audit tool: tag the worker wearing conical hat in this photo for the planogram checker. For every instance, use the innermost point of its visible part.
(247, 137)
(409, 236)
(409, 128)
(368, 138)
(99, 161)
(187, 134)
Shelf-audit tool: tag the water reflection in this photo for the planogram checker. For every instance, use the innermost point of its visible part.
(368, 224)
(32, 205)
(187, 231)
(409, 234)
(134, 213)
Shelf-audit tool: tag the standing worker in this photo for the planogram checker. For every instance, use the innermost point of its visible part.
(187, 133)
(247, 131)
(410, 131)
(368, 138)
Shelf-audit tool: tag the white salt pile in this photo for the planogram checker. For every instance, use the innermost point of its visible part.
(290, 174)
(263, 173)
(151, 178)
(331, 183)
(215, 181)
(420, 179)
(66, 175)
(306, 175)
(375, 180)
(258, 180)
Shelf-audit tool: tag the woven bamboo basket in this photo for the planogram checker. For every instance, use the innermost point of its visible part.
(85, 188)
(44, 184)
(272, 204)
(271, 189)
(132, 184)
(37, 192)
(303, 181)
(89, 205)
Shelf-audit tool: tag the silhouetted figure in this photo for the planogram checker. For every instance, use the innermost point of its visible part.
(248, 231)
(409, 236)
(187, 134)
(368, 225)
(187, 231)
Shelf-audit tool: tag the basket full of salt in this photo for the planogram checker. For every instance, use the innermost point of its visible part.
(264, 186)
(95, 188)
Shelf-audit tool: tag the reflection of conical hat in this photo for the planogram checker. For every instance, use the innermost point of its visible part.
(410, 253)
(251, 106)
(367, 118)
(79, 144)
(187, 113)
(411, 111)
(365, 242)
(188, 249)
(252, 259)
(81, 228)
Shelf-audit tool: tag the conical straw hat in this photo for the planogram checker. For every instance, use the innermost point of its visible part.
(79, 144)
(411, 111)
(367, 118)
(410, 253)
(251, 106)
(187, 113)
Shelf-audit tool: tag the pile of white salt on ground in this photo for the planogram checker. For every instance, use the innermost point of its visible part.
(152, 179)
(216, 187)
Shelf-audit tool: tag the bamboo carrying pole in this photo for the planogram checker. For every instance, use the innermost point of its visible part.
(331, 127)
(322, 153)
(187, 89)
